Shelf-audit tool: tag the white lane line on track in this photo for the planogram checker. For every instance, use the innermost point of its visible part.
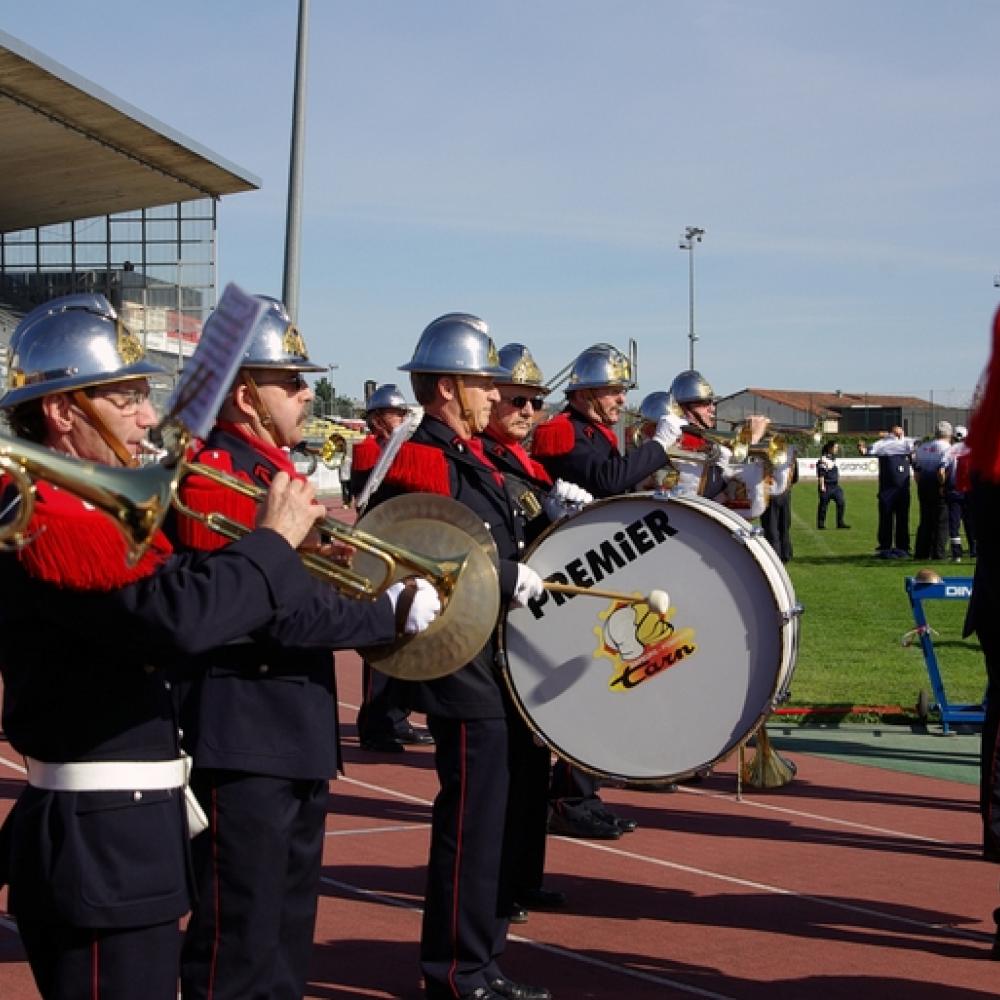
(551, 949)
(13, 765)
(759, 886)
(811, 816)
(382, 789)
(378, 829)
(779, 891)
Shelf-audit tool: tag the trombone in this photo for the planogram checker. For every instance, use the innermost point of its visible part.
(139, 499)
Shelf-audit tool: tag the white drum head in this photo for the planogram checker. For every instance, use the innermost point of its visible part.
(623, 691)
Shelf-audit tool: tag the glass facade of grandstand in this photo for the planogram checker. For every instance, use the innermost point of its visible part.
(156, 266)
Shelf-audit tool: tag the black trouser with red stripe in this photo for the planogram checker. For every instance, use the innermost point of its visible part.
(257, 872)
(463, 934)
(85, 963)
(989, 786)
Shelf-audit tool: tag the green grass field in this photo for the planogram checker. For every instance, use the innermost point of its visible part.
(857, 612)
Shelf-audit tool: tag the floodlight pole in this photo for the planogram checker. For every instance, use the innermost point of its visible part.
(293, 224)
(692, 235)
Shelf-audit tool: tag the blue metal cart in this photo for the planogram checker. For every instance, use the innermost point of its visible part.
(952, 588)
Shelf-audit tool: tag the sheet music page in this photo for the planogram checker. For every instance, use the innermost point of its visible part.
(195, 401)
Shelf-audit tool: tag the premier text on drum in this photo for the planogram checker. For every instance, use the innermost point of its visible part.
(632, 542)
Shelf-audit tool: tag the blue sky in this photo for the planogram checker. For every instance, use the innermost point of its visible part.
(535, 163)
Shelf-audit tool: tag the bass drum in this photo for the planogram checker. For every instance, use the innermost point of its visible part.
(634, 692)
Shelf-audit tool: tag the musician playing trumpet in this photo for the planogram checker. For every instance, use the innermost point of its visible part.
(260, 716)
(95, 847)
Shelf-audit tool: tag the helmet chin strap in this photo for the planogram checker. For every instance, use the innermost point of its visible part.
(260, 408)
(466, 412)
(599, 408)
(86, 404)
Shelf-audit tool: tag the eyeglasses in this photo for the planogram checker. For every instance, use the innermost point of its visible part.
(520, 402)
(126, 401)
(295, 382)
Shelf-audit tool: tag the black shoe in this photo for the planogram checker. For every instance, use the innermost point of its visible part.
(518, 991)
(542, 899)
(821, 527)
(623, 824)
(383, 744)
(414, 737)
(518, 914)
(588, 827)
(843, 527)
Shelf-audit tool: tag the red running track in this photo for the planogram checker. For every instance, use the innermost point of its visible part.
(851, 882)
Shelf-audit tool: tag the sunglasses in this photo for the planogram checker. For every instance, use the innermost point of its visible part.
(520, 402)
(295, 382)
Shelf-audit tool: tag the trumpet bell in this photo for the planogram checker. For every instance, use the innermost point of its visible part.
(136, 499)
(437, 527)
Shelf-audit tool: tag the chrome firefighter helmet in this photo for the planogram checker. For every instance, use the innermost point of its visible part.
(456, 344)
(599, 366)
(386, 397)
(523, 369)
(70, 342)
(656, 405)
(691, 387)
(276, 341)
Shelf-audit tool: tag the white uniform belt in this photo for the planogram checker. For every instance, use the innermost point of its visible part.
(107, 775)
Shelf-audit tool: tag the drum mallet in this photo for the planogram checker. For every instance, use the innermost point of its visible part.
(657, 600)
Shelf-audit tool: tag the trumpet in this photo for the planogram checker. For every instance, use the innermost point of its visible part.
(138, 500)
(331, 452)
(443, 574)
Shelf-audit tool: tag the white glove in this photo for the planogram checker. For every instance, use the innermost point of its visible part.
(529, 586)
(723, 459)
(564, 498)
(668, 430)
(424, 606)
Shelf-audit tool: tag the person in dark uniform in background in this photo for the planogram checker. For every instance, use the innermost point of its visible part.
(895, 468)
(932, 463)
(522, 399)
(259, 716)
(579, 446)
(464, 928)
(983, 616)
(828, 484)
(776, 521)
(956, 496)
(383, 726)
(95, 848)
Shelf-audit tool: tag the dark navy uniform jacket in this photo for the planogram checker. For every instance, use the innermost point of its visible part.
(266, 702)
(573, 448)
(521, 480)
(85, 678)
(435, 460)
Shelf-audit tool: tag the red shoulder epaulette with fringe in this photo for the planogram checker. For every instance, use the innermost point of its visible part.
(554, 437)
(693, 442)
(420, 468)
(208, 497)
(74, 545)
(365, 454)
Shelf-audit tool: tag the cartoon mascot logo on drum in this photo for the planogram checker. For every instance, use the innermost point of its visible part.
(641, 642)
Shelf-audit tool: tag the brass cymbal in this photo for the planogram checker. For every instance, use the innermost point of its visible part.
(441, 528)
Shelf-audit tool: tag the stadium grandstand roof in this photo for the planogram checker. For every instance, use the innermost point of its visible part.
(71, 150)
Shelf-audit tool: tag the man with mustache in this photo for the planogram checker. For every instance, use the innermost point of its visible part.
(260, 720)
(95, 847)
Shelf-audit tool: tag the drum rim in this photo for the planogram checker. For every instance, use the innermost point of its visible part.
(724, 517)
